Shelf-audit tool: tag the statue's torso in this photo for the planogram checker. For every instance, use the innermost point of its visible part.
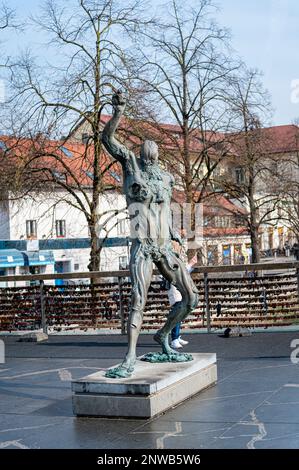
(148, 192)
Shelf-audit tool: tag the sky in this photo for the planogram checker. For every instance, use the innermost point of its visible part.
(264, 34)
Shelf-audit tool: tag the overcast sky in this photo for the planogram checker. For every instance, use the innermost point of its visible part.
(265, 34)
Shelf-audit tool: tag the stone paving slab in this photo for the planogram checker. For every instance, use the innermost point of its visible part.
(254, 404)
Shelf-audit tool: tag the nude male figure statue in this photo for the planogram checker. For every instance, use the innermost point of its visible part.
(149, 187)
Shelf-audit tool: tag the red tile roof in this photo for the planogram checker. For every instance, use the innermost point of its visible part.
(213, 204)
(47, 156)
(271, 140)
(282, 138)
(275, 139)
(218, 204)
(170, 135)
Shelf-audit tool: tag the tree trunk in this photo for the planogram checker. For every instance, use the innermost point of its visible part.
(94, 261)
(253, 224)
(254, 236)
(193, 249)
(94, 265)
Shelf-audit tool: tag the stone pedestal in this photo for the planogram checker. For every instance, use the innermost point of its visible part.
(34, 337)
(152, 389)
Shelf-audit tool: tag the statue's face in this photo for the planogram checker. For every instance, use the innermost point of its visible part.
(149, 152)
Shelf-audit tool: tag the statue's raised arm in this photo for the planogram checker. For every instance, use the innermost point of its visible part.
(115, 148)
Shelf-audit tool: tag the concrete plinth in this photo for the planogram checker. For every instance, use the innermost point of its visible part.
(34, 337)
(151, 390)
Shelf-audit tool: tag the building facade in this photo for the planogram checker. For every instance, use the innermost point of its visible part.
(44, 232)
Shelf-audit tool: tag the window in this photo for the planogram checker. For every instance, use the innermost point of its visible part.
(238, 256)
(34, 270)
(212, 221)
(240, 176)
(31, 229)
(121, 227)
(76, 267)
(115, 176)
(66, 152)
(60, 228)
(226, 255)
(218, 146)
(123, 263)
(239, 221)
(223, 221)
(85, 138)
(59, 176)
(3, 145)
(208, 221)
(177, 134)
(212, 255)
(273, 167)
(271, 238)
(89, 174)
(218, 171)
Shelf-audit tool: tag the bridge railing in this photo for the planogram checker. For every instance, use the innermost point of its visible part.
(259, 295)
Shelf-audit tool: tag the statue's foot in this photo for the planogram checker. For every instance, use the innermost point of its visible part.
(162, 339)
(162, 357)
(121, 372)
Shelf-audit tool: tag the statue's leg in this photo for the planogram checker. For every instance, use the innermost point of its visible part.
(175, 271)
(141, 268)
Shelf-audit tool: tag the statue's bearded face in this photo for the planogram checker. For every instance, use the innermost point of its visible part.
(149, 152)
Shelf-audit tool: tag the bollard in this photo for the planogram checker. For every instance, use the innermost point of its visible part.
(207, 302)
(43, 307)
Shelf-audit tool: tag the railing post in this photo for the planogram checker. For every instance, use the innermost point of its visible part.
(121, 306)
(207, 302)
(297, 274)
(43, 307)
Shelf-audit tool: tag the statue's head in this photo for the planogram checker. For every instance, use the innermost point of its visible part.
(149, 152)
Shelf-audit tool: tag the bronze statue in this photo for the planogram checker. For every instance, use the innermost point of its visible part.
(149, 188)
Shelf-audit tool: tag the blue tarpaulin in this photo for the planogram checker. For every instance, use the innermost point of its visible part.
(11, 258)
(38, 258)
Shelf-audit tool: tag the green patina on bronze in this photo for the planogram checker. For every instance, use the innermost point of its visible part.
(119, 372)
(148, 190)
(161, 357)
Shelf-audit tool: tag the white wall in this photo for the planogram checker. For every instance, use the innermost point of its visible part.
(46, 209)
(109, 203)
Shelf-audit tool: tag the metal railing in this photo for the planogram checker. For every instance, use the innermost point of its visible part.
(259, 295)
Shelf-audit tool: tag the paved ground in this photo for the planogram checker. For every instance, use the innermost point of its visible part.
(254, 405)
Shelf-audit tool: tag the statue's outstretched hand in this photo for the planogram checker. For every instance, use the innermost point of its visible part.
(118, 101)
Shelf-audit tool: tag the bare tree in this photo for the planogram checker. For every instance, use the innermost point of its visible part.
(8, 167)
(287, 182)
(248, 180)
(186, 74)
(8, 17)
(94, 44)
